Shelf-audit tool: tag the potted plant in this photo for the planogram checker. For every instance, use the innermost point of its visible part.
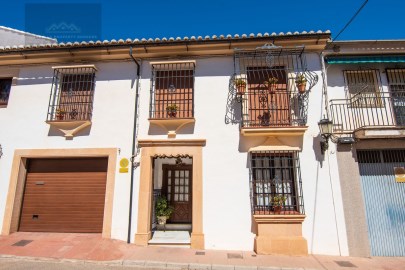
(278, 202)
(301, 83)
(271, 84)
(162, 210)
(60, 114)
(240, 85)
(172, 110)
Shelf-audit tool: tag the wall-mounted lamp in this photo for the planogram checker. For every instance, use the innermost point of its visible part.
(326, 128)
(172, 88)
(1, 151)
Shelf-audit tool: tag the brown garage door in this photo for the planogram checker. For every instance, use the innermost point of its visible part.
(64, 195)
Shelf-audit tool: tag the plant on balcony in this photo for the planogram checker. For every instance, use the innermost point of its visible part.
(172, 110)
(278, 202)
(240, 85)
(301, 83)
(163, 210)
(271, 84)
(60, 114)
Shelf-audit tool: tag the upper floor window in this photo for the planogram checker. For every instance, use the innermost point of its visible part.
(363, 87)
(396, 81)
(276, 183)
(72, 94)
(5, 86)
(172, 90)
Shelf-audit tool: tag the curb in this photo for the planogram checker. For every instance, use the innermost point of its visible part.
(149, 264)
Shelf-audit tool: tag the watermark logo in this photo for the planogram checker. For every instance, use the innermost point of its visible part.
(65, 22)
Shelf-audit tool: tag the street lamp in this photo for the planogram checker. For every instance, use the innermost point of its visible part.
(325, 127)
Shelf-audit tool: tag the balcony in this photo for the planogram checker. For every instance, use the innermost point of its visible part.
(272, 84)
(369, 115)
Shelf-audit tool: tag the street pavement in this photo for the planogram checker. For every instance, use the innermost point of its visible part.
(91, 251)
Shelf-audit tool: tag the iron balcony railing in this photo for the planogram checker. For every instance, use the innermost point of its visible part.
(72, 94)
(377, 109)
(261, 109)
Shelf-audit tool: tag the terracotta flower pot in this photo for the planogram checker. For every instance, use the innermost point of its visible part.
(240, 89)
(172, 113)
(277, 209)
(301, 87)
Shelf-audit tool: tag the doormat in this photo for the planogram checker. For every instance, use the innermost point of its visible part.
(345, 264)
(22, 243)
(234, 256)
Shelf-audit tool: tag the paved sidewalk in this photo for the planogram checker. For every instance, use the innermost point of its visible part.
(91, 248)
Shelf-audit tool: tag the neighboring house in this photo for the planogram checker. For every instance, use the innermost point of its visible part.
(225, 128)
(366, 93)
(13, 37)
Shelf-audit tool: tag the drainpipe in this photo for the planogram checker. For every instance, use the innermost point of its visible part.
(138, 66)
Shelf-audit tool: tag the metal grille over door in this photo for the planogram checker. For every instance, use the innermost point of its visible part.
(384, 200)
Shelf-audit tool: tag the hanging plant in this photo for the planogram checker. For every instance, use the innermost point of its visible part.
(240, 85)
(271, 84)
(301, 83)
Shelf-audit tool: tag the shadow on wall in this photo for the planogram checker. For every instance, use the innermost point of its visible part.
(316, 146)
(159, 130)
(107, 72)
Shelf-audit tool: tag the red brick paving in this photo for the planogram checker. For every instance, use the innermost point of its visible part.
(93, 247)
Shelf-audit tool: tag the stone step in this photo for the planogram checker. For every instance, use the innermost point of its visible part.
(170, 238)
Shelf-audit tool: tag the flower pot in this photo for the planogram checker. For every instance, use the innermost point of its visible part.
(301, 87)
(172, 113)
(162, 220)
(240, 89)
(277, 209)
(272, 88)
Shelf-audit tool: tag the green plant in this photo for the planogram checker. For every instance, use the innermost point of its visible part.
(162, 208)
(278, 200)
(300, 79)
(60, 111)
(271, 81)
(172, 107)
(240, 82)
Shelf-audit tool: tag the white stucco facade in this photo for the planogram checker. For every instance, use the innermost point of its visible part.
(227, 213)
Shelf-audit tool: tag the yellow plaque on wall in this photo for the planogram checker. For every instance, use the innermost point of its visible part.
(124, 162)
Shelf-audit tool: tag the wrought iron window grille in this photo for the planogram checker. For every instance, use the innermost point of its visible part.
(363, 87)
(72, 94)
(172, 90)
(270, 83)
(276, 186)
(5, 87)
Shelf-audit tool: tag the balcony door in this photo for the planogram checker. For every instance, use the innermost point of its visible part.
(268, 108)
(396, 79)
(177, 187)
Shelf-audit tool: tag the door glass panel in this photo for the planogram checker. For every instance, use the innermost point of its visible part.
(186, 173)
(177, 173)
(181, 197)
(176, 189)
(186, 198)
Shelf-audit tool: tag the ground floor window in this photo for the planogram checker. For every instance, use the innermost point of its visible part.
(276, 183)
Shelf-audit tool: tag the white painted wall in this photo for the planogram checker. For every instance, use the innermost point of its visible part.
(227, 213)
(14, 37)
(227, 216)
(24, 127)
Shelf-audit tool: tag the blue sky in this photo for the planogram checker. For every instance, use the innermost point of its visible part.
(149, 19)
